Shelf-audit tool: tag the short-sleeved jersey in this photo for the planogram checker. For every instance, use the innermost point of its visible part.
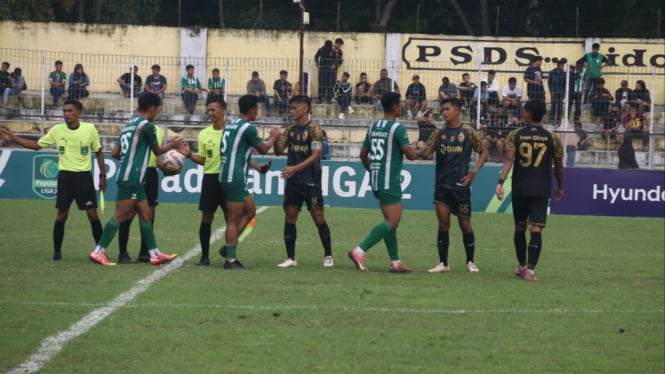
(209, 143)
(533, 90)
(189, 82)
(283, 88)
(416, 92)
(453, 147)
(135, 141)
(217, 84)
(385, 140)
(239, 139)
(73, 146)
(155, 84)
(301, 141)
(535, 150)
(60, 77)
(159, 134)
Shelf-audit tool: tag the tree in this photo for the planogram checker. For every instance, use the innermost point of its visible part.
(383, 11)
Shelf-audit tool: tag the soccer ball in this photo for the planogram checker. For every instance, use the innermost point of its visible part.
(171, 162)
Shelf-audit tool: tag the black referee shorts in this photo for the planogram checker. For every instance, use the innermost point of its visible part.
(212, 194)
(76, 185)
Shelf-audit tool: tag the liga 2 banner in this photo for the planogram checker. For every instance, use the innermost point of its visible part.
(600, 192)
(33, 175)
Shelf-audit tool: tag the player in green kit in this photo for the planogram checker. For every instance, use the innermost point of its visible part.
(239, 139)
(383, 150)
(74, 141)
(152, 194)
(133, 148)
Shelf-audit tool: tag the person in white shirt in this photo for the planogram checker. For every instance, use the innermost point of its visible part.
(512, 95)
(492, 87)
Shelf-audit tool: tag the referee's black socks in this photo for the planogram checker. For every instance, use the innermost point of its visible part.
(58, 235)
(204, 238)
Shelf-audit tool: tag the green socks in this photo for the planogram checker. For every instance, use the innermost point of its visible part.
(110, 229)
(147, 234)
(378, 232)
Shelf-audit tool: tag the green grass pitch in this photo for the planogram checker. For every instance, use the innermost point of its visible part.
(598, 306)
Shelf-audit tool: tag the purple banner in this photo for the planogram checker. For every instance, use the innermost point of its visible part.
(603, 192)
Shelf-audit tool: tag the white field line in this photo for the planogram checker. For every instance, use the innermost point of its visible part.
(52, 345)
(358, 309)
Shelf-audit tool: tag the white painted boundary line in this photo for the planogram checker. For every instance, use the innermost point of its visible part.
(52, 345)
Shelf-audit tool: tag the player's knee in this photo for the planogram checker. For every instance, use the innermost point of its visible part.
(62, 215)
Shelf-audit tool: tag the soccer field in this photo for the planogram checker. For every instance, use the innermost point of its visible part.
(598, 306)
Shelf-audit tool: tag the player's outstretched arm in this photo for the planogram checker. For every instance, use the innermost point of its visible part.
(265, 146)
(411, 153)
(25, 143)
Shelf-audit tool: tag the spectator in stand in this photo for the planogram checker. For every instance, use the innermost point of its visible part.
(283, 90)
(533, 77)
(57, 80)
(622, 95)
(483, 95)
(600, 102)
(363, 90)
(512, 98)
(17, 86)
(641, 97)
(569, 141)
(583, 142)
(576, 86)
(156, 83)
(556, 81)
(593, 62)
(495, 133)
(446, 90)
(78, 83)
(125, 83)
(326, 62)
(343, 90)
(416, 97)
(466, 89)
(611, 123)
(190, 89)
(339, 54)
(216, 86)
(492, 87)
(383, 85)
(4, 76)
(426, 126)
(636, 125)
(257, 87)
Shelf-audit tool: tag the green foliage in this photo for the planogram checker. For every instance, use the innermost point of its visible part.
(599, 276)
(26, 10)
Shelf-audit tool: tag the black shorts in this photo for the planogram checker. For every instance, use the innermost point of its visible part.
(152, 186)
(76, 185)
(458, 200)
(530, 209)
(296, 193)
(212, 194)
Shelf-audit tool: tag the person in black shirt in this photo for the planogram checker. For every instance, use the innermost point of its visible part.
(531, 151)
(304, 141)
(611, 123)
(533, 77)
(282, 90)
(453, 145)
(426, 126)
(600, 102)
(5, 80)
(363, 89)
(327, 60)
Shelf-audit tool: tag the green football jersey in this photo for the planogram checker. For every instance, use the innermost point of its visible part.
(385, 140)
(239, 139)
(135, 141)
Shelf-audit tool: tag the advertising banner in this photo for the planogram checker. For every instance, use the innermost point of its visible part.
(30, 175)
(601, 192)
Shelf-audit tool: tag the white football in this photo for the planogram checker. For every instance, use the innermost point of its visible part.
(171, 162)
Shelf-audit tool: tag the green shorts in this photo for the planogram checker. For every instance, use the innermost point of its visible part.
(235, 191)
(390, 196)
(131, 190)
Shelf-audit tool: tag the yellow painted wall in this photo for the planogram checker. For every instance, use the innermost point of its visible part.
(104, 51)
